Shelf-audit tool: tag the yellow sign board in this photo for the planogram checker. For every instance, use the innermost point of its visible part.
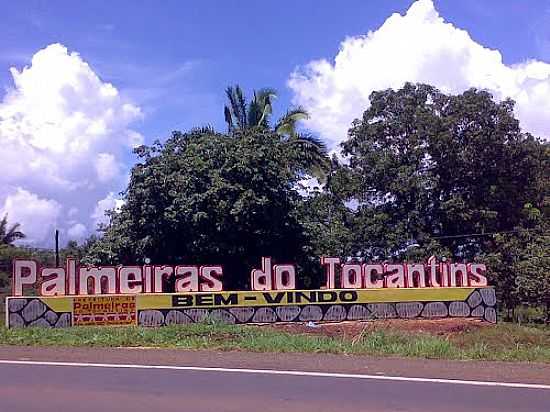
(299, 297)
(104, 310)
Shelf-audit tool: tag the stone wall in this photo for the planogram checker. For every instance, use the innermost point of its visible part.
(478, 303)
(31, 311)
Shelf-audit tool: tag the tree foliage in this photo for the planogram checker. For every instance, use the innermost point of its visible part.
(455, 176)
(209, 198)
(241, 116)
(432, 168)
(9, 234)
(426, 173)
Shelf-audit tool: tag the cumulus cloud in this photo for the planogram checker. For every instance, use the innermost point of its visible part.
(36, 215)
(77, 231)
(106, 167)
(64, 136)
(110, 202)
(419, 46)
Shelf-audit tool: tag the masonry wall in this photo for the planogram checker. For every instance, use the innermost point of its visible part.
(252, 307)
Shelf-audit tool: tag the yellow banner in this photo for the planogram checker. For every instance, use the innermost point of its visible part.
(299, 297)
(98, 304)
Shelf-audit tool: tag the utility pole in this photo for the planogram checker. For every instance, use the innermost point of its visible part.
(56, 248)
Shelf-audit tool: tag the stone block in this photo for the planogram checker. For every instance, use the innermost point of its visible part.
(288, 313)
(15, 305)
(242, 314)
(177, 317)
(16, 321)
(311, 313)
(40, 322)
(435, 310)
(222, 315)
(33, 310)
(335, 313)
(409, 310)
(151, 318)
(478, 312)
(459, 309)
(490, 315)
(489, 296)
(474, 299)
(51, 317)
(196, 315)
(64, 321)
(383, 310)
(264, 315)
(358, 312)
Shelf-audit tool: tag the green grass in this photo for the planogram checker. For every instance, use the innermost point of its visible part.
(501, 342)
(504, 341)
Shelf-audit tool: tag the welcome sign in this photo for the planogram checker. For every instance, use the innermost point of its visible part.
(91, 280)
(129, 295)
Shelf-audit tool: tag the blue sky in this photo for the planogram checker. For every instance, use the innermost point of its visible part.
(92, 79)
(176, 57)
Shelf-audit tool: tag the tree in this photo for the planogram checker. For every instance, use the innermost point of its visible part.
(438, 170)
(520, 269)
(204, 197)
(8, 253)
(78, 251)
(327, 218)
(520, 260)
(8, 235)
(241, 115)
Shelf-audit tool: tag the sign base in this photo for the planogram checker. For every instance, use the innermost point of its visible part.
(252, 307)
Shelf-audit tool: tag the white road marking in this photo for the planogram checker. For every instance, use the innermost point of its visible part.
(281, 372)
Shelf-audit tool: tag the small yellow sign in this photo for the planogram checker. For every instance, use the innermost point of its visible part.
(104, 310)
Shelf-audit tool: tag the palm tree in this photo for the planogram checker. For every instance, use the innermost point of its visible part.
(239, 115)
(11, 234)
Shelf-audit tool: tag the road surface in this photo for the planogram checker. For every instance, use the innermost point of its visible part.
(81, 382)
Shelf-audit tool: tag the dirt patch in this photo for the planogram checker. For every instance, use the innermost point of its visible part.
(352, 329)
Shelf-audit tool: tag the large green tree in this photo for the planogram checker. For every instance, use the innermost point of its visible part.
(204, 197)
(455, 176)
(429, 168)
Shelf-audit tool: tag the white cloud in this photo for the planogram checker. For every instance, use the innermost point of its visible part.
(77, 232)
(73, 211)
(64, 136)
(111, 202)
(36, 215)
(417, 47)
(106, 167)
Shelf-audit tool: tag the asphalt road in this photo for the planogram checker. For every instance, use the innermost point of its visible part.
(54, 388)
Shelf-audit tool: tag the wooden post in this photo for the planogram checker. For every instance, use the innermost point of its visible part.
(56, 248)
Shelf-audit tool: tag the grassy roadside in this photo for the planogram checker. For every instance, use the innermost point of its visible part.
(505, 342)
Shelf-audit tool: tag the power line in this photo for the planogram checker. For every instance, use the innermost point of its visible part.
(482, 234)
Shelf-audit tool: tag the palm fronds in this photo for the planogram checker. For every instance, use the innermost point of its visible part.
(287, 124)
(8, 235)
(235, 113)
(311, 153)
